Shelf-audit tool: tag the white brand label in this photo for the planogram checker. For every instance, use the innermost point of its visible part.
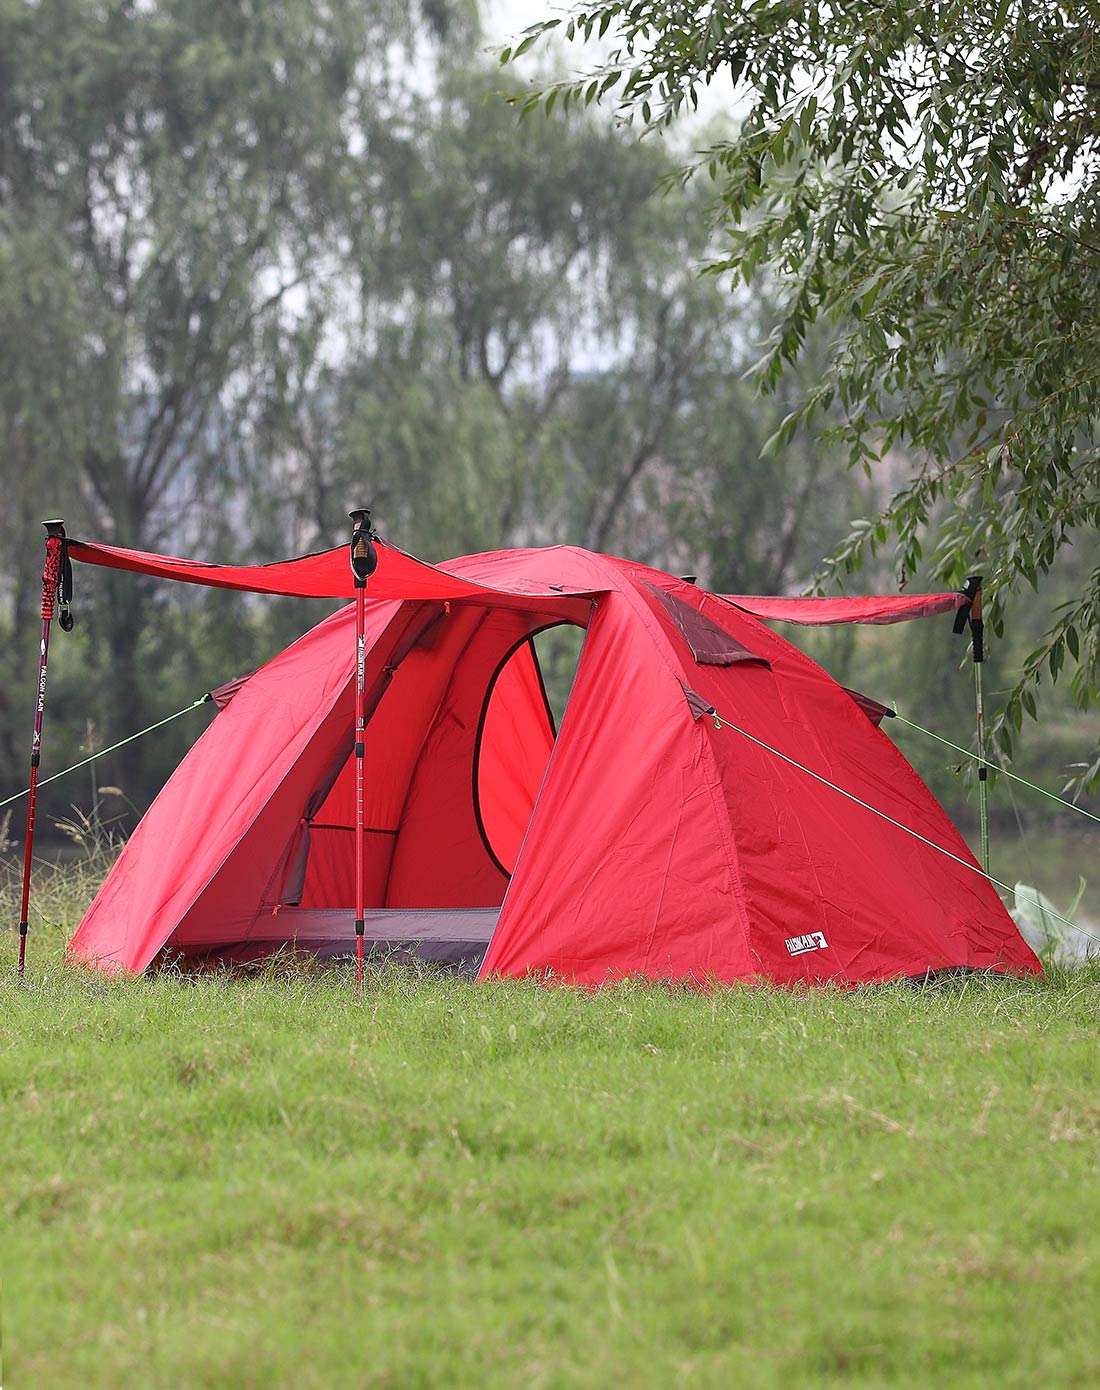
(799, 945)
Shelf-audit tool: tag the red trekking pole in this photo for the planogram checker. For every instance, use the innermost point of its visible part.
(57, 582)
(364, 561)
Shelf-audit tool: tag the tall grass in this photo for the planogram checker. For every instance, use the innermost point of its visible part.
(61, 887)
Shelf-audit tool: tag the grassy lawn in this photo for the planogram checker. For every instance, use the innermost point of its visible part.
(269, 1182)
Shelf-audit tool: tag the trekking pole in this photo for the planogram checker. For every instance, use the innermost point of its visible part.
(57, 586)
(364, 561)
(971, 612)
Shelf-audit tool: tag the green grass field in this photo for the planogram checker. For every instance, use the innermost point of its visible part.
(270, 1181)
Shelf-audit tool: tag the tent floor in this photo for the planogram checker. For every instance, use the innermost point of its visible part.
(455, 937)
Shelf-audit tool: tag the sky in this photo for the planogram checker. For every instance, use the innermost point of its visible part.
(503, 20)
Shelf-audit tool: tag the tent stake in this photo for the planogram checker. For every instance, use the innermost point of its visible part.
(55, 585)
(364, 560)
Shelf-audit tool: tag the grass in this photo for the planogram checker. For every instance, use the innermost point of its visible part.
(267, 1180)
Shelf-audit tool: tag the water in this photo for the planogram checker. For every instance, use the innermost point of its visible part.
(1053, 858)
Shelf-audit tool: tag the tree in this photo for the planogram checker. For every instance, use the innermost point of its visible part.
(926, 180)
(539, 361)
(170, 181)
(460, 360)
(39, 417)
(328, 286)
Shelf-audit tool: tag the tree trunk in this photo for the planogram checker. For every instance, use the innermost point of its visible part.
(127, 605)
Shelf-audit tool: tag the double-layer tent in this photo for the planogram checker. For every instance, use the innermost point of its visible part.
(788, 839)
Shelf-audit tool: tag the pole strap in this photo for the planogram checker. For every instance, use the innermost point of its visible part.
(721, 723)
(202, 700)
(51, 576)
(65, 588)
(1003, 771)
(57, 576)
(969, 613)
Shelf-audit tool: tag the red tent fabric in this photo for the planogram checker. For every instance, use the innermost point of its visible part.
(642, 840)
(867, 608)
(326, 574)
(399, 575)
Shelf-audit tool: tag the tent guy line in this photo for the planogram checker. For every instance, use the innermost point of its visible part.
(720, 722)
(895, 712)
(102, 752)
(1003, 771)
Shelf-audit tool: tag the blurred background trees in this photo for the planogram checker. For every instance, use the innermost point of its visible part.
(259, 264)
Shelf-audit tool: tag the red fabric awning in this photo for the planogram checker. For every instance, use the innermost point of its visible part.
(326, 574)
(400, 576)
(870, 608)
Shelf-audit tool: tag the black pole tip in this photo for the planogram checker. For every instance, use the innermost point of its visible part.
(364, 557)
(55, 528)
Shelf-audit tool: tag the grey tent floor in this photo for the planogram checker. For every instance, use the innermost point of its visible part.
(452, 937)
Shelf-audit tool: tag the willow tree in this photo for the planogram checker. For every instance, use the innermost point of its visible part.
(538, 360)
(926, 179)
(175, 181)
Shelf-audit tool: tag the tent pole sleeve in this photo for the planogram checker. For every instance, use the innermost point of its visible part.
(51, 575)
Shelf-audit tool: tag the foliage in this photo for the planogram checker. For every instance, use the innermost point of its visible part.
(926, 180)
(509, 344)
(239, 293)
(541, 362)
(255, 267)
(1049, 932)
(170, 180)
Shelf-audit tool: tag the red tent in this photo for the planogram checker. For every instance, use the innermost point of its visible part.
(642, 839)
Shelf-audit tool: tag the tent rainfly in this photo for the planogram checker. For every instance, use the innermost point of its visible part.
(793, 843)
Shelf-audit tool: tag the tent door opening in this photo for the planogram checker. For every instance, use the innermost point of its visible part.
(456, 750)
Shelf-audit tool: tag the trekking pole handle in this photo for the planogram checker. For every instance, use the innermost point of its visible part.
(364, 556)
